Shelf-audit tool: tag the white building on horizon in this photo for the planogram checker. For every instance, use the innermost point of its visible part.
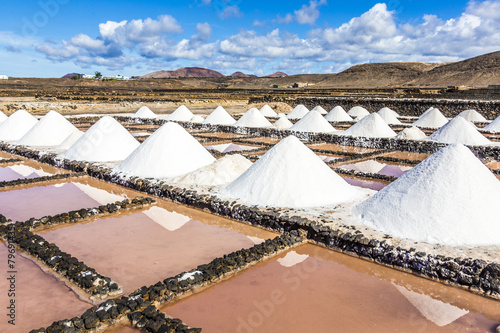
(4, 77)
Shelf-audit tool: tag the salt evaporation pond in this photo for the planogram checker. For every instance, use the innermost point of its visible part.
(147, 247)
(372, 166)
(36, 291)
(364, 183)
(339, 148)
(230, 147)
(20, 171)
(311, 289)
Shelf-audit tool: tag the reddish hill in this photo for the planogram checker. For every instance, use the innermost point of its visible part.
(277, 74)
(240, 74)
(70, 75)
(183, 72)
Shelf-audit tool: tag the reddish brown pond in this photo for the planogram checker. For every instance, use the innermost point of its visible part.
(144, 248)
(315, 290)
(264, 140)
(20, 171)
(40, 298)
(221, 135)
(408, 156)
(365, 183)
(333, 148)
(376, 167)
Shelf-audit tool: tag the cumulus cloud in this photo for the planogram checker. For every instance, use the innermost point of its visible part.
(230, 11)
(308, 14)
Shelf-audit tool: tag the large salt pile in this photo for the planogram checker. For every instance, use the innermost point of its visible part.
(17, 125)
(267, 111)
(298, 112)
(388, 110)
(459, 130)
(51, 130)
(283, 123)
(371, 126)
(182, 113)
(338, 114)
(432, 118)
(411, 133)
(358, 111)
(389, 116)
(197, 119)
(313, 122)
(253, 118)
(219, 117)
(221, 172)
(473, 116)
(70, 140)
(290, 175)
(105, 141)
(3, 117)
(450, 198)
(145, 112)
(320, 109)
(494, 126)
(169, 152)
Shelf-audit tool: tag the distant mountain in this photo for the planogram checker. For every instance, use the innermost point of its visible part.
(277, 74)
(240, 74)
(183, 72)
(70, 75)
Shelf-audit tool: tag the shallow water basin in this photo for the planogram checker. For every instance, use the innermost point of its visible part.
(341, 148)
(311, 289)
(264, 140)
(376, 167)
(364, 183)
(407, 155)
(20, 171)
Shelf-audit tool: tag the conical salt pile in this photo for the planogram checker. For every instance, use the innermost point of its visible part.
(371, 126)
(432, 118)
(3, 117)
(70, 140)
(51, 130)
(267, 111)
(338, 114)
(16, 126)
(450, 198)
(105, 141)
(320, 109)
(169, 152)
(221, 172)
(388, 116)
(358, 111)
(459, 130)
(219, 117)
(197, 119)
(388, 110)
(473, 116)
(313, 122)
(283, 123)
(291, 175)
(411, 133)
(182, 113)
(494, 126)
(145, 112)
(298, 112)
(253, 118)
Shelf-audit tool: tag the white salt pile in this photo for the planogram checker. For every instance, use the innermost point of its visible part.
(493, 127)
(370, 166)
(169, 152)
(320, 109)
(105, 141)
(17, 125)
(51, 130)
(338, 114)
(219, 117)
(389, 116)
(371, 126)
(70, 140)
(298, 112)
(145, 112)
(221, 172)
(386, 110)
(290, 175)
(253, 118)
(411, 133)
(459, 130)
(283, 123)
(450, 198)
(3, 117)
(182, 113)
(473, 116)
(267, 111)
(432, 118)
(313, 122)
(358, 111)
(197, 119)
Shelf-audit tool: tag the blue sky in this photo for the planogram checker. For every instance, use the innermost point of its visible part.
(49, 38)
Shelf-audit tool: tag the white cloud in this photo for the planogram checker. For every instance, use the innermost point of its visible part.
(308, 14)
(287, 19)
(230, 11)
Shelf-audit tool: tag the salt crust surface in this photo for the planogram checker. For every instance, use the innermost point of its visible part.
(3, 117)
(450, 198)
(51, 130)
(219, 117)
(253, 118)
(338, 114)
(70, 140)
(197, 119)
(459, 130)
(169, 152)
(298, 112)
(17, 125)
(107, 140)
(371, 126)
(313, 122)
(292, 258)
(290, 175)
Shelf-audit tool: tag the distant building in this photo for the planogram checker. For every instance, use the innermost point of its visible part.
(299, 85)
(4, 77)
(116, 77)
(87, 76)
